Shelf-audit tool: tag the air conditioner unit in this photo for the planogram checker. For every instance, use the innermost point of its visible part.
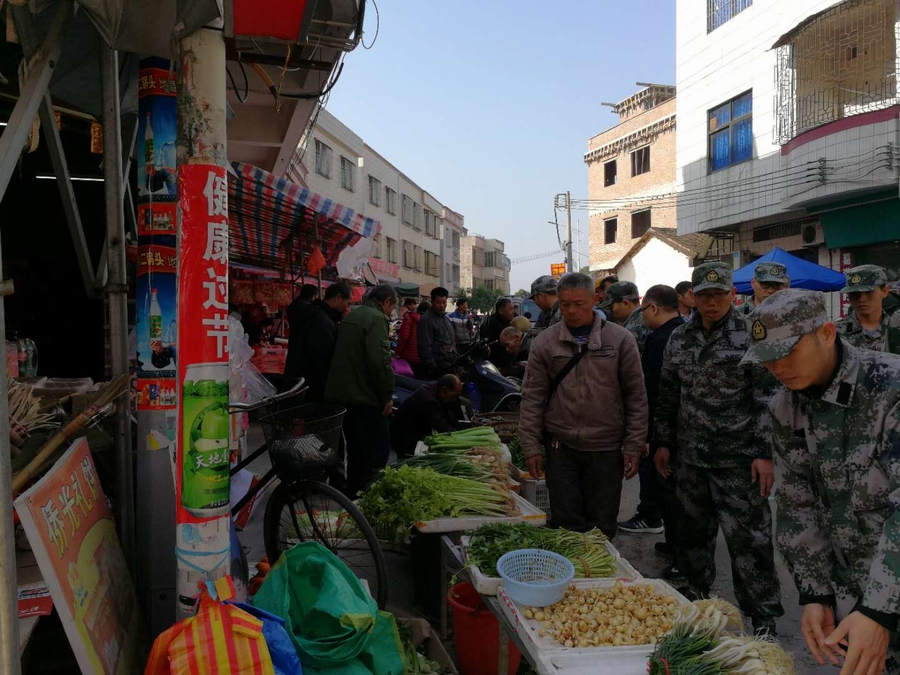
(812, 235)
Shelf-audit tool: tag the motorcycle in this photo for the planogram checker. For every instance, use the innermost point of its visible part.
(487, 388)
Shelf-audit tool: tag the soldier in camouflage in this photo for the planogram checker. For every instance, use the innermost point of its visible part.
(836, 438)
(869, 326)
(768, 279)
(622, 305)
(710, 408)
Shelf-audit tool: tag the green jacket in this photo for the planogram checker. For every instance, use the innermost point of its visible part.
(838, 483)
(361, 371)
(886, 339)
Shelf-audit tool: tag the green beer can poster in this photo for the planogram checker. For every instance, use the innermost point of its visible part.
(204, 481)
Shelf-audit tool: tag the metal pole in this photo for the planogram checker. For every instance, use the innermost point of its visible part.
(117, 292)
(569, 266)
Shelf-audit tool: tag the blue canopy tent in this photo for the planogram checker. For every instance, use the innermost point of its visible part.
(803, 273)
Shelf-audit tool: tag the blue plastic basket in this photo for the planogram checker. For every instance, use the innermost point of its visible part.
(535, 577)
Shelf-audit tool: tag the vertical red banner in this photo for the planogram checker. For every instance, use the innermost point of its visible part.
(202, 477)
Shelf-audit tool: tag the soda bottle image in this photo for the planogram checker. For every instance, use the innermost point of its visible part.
(156, 330)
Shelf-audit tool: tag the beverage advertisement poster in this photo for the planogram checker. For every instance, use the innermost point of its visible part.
(71, 531)
(156, 329)
(203, 483)
(157, 119)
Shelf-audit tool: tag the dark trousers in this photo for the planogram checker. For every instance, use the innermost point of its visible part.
(667, 500)
(649, 506)
(727, 498)
(368, 446)
(585, 488)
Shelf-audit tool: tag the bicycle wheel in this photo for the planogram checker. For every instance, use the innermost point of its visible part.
(313, 511)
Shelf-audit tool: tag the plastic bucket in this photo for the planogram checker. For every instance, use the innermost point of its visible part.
(476, 634)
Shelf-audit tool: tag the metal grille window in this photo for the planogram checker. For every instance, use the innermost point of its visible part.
(490, 258)
(719, 12)
(408, 259)
(323, 159)
(731, 132)
(406, 210)
(640, 223)
(610, 230)
(391, 250)
(609, 173)
(390, 202)
(640, 161)
(348, 174)
(374, 191)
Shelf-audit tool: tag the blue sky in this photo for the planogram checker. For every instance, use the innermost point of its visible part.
(488, 105)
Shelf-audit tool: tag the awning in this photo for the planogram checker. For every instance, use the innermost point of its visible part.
(862, 225)
(272, 221)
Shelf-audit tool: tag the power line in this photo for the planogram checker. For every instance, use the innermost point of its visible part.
(536, 256)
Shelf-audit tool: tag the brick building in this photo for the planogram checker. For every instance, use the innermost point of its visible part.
(631, 170)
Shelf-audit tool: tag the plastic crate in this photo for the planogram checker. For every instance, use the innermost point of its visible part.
(536, 492)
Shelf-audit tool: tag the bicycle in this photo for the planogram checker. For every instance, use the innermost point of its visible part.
(303, 442)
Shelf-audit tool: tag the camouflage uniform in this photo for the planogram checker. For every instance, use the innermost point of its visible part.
(617, 292)
(837, 459)
(638, 328)
(710, 409)
(766, 273)
(887, 337)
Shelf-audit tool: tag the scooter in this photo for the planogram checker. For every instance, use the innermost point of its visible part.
(484, 385)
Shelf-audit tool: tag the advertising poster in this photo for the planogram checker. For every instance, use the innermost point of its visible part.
(71, 531)
(202, 480)
(156, 334)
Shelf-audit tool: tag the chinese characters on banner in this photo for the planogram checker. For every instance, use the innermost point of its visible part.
(156, 326)
(846, 264)
(72, 534)
(203, 371)
(557, 270)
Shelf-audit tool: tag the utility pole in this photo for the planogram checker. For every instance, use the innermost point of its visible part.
(570, 267)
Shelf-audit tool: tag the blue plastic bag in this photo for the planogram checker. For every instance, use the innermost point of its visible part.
(281, 649)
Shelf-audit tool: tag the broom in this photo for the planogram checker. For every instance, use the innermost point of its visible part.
(109, 393)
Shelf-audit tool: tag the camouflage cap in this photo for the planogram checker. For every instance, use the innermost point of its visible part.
(619, 291)
(715, 275)
(544, 284)
(779, 322)
(864, 278)
(771, 272)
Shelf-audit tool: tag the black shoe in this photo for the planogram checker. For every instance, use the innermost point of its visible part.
(664, 548)
(640, 525)
(672, 573)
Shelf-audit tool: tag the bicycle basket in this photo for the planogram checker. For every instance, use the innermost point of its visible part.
(305, 439)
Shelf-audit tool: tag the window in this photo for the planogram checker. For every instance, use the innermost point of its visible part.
(429, 223)
(609, 173)
(390, 201)
(731, 132)
(640, 161)
(417, 217)
(378, 244)
(455, 239)
(392, 250)
(406, 210)
(489, 284)
(348, 174)
(448, 237)
(433, 264)
(610, 229)
(374, 191)
(719, 12)
(408, 260)
(491, 259)
(417, 258)
(640, 223)
(323, 159)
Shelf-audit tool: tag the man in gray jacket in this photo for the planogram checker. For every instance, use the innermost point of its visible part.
(572, 365)
(437, 339)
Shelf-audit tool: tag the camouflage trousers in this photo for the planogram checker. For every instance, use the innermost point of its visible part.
(727, 498)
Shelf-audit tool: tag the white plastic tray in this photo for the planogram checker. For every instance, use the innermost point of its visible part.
(421, 449)
(581, 664)
(527, 629)
(487, 585)
(528, 514)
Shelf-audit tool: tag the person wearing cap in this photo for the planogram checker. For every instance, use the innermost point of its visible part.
(623, 305)
(711, 409)
(543, 292)
(768, 279)
(869, 326)
(836, 438)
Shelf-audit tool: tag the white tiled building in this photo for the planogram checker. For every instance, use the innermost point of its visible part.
(343, 167)
(788, 128)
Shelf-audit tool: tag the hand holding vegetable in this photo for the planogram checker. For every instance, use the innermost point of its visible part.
(816, 623)
(868, 643)
(661, 462)
(535, 465)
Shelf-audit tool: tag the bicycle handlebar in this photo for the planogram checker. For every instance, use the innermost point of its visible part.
(299, 388)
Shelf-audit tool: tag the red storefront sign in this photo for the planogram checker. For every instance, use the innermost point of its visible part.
(385, 270)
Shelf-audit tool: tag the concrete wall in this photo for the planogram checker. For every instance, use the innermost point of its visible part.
(655, 263)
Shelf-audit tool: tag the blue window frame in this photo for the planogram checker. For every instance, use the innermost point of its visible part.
(731, 132)
(719, 12)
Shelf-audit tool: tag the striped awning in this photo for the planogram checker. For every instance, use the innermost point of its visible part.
(273, 221)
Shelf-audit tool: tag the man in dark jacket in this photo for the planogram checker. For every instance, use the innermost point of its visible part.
(504, 312)
(543, 292)
(658, 503)
(437, 339)
(362, 381)
(313, 333)
(433, 407)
